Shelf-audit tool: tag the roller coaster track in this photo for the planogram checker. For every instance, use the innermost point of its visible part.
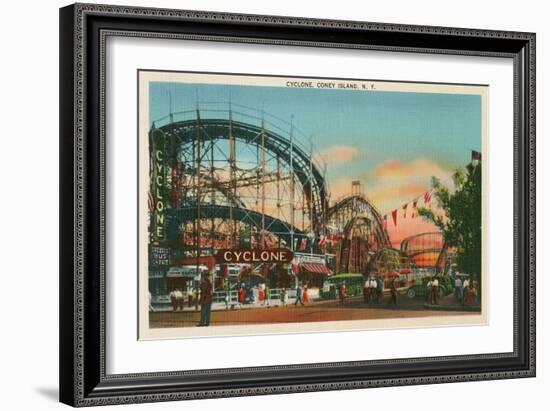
(424, 243)
(363, 207)
(175, 217)
(183, 133)
(313, 184)
(357, 211)
(346, 250)
(223, 188)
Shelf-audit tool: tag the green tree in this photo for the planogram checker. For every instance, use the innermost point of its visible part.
(390, 259)
(461, 221)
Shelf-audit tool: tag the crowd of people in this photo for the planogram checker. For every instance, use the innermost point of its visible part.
(373, 289)
(199, 297)
(258, 294)
(262, 294)
(466, 292)
(432, 291)
(302, 295)
(178, 297)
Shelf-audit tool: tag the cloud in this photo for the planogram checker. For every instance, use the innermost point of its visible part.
(340, 188)
(421, 167)
(394, 183)
(400, 192)
(337, 154)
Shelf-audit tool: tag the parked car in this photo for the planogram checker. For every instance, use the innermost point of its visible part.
(420, 289)
(353, 282)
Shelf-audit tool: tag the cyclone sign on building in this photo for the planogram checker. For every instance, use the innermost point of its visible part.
(276, 255)
(158, 184)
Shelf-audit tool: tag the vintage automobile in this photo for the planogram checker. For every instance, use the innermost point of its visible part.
(420, 289)
(353, 282)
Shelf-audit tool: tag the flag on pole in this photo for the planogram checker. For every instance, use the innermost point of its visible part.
(427, 197)
(415, 202)
(394, 217)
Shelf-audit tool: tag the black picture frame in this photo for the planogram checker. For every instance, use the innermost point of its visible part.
(83, 30)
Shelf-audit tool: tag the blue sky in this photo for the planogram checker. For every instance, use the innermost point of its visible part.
(418, 131)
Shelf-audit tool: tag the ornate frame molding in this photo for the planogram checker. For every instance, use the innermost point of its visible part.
(82, 363)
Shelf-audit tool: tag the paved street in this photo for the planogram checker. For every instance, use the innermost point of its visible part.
(354, 309)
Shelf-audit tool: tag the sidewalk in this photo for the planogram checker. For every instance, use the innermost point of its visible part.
(447, 303)
(222, 306)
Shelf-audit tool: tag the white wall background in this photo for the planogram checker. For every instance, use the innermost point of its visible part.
(29, 206)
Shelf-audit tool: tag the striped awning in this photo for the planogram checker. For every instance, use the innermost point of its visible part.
(316, 268)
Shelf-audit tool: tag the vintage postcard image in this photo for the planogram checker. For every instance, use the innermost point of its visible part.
(273, 204)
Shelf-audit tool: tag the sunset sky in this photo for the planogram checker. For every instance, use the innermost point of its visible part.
(393, 142)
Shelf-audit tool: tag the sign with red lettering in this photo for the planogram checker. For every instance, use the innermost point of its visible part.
(273, 255)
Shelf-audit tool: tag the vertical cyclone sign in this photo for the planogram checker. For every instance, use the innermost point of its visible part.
(158, 184)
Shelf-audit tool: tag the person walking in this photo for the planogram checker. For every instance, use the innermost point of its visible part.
(305, 297)
(379, 289)
(393, 292)
(299, 291)
(342, 293)
(372, 289)
(261, 293)
(173, 300)
(189, 297)
(475, 289)
(255, 294)
(435, 290)
(267, 295)
(242, 295)
(429, 290)
(196, 296)
(458, 289)
(366, 291)
(179, 299)
(226, 300)
(465, 286)
(470, 294)
(283, 297)
(206, 301)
